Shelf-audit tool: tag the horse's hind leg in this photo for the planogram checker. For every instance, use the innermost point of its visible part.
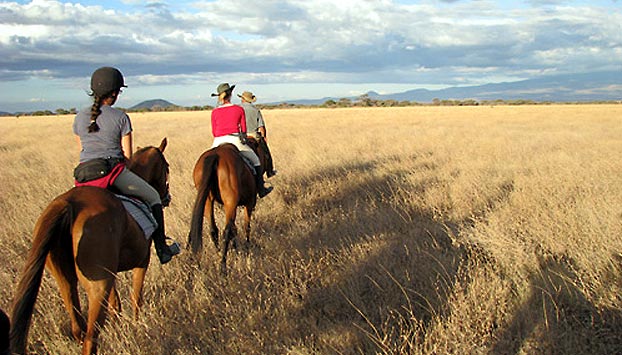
(247, 224)
(68, 287)
(213, 229)
(98, 293)
(228, 236)
(231, 209)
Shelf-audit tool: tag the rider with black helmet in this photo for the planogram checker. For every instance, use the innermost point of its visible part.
(106, 132)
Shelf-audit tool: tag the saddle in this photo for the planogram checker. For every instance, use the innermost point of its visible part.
(135, 207)
(244, 159)
(141, 214)
(249, 164)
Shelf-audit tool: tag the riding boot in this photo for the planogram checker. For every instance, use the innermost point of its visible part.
(165, 254)
(262, 190)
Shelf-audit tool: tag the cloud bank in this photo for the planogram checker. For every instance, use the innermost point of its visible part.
(309, 42)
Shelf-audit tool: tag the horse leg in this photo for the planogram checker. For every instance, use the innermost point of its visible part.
(97, 292)
(213, 229)
(138, 281)
(228, 236)
(230, 211)
(114, 302)
(68, 288)
(247, 224)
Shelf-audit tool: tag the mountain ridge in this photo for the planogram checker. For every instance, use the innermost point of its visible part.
(150, 104)
(597, 86)
(602, 86)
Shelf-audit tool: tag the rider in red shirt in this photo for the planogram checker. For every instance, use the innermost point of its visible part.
(226, 120)
(229, 126)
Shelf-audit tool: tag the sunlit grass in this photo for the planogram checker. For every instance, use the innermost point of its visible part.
(403, 230)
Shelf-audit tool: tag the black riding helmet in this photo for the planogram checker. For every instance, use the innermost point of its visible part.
(106, 80)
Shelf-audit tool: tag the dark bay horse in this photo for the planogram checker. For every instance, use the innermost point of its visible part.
(221, 175)
(258, 148)
(85, 235)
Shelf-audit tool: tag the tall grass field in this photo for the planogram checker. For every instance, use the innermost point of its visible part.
(416, 230)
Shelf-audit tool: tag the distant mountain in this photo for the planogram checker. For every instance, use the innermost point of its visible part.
(590, 87)
(151, 104)
(2, 113)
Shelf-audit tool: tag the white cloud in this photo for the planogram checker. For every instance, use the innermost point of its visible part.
(299, 41)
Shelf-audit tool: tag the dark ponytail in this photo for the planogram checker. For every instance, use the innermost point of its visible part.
(95, 112)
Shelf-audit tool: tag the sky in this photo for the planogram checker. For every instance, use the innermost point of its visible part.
(293, 49)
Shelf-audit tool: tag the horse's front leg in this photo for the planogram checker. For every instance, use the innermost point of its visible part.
(114, 302)
(138, 282)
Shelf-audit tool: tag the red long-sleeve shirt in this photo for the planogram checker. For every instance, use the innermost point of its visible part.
(228, 119)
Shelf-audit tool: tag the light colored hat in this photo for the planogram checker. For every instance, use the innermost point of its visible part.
(222, 88)
(248, 96)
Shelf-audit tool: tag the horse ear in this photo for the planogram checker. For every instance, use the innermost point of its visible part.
(163, 144)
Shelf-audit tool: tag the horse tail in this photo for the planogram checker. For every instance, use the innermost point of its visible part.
(53, 223)
(195, 238)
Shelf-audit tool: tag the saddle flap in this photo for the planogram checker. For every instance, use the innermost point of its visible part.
(141, 214)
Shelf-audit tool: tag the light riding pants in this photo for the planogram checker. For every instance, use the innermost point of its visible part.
(244, 149)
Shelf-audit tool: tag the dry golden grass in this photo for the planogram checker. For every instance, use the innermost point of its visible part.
(425, 230)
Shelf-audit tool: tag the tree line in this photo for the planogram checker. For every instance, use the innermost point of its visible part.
(361, 101)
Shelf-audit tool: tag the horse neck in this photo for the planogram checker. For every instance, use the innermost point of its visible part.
(142, 164)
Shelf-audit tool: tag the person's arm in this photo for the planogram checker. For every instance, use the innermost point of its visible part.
(78, 141)
(126, 145)
(261, 124)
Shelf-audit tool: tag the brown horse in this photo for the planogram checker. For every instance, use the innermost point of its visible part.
(85, 235)
(221, 175)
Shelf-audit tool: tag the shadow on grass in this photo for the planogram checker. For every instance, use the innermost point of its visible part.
(557, 318)
(395, 266)
(389, 261)
(385, 269)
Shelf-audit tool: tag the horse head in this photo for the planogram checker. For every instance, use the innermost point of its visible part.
(150, 164)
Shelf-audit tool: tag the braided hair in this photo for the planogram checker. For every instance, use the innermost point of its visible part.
(96, 108)
(95, 112)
